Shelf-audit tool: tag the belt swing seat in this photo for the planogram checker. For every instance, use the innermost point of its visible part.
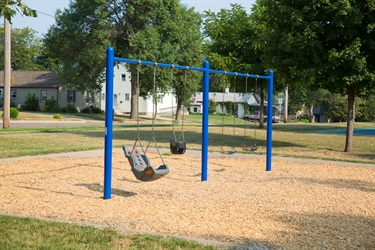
(178, 146)
(141, 167)
(139, 162)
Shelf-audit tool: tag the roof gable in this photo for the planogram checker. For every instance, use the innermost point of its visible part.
(32, 79)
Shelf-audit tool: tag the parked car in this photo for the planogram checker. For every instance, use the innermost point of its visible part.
(255, 116)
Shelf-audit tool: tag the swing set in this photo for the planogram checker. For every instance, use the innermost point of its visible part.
(140, 163)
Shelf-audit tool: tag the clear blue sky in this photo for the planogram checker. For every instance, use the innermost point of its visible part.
(47, 8)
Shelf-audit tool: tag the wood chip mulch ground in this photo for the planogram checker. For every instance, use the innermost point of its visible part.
(294, 206)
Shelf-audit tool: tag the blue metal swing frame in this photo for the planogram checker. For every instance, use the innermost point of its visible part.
(111, 59)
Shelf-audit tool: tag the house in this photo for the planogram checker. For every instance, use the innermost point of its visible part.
(44, 85)
(122, 95)
(251, 99)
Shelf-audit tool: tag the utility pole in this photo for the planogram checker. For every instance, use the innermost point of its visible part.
(7, 67)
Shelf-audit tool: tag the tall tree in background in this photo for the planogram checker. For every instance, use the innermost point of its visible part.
(26, 48)
(155, 30)
(8, 9)
(232, 46)
(76, 44)
(327, 44)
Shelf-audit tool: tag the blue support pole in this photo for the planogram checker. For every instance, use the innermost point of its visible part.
(269, 121)
(108, 124)
(206, 89)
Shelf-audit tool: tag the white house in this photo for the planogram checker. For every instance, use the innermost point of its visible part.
(251, 99)
(122, 95)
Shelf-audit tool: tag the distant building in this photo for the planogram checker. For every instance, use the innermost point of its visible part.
(251, 99)
(44, 85)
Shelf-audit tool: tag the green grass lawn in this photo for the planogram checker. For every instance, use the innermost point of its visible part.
(301, 140)
(27, 233)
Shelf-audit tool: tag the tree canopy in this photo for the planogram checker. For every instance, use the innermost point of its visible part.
(26, 49)
(326, 44)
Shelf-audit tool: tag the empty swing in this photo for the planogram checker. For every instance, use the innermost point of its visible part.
(254, 147)
(178, 146)
(233, 150)
(139, 162)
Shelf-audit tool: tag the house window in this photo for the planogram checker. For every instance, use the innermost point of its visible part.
(13, 94)
(195, 110)
(127, 97)
(71, 96)
(43, 96)
(103, 96)
(123, 77)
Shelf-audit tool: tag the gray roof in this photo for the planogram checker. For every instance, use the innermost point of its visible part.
(32, 79)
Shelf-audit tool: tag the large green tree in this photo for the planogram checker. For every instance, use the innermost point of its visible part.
(325, 43)
(76, 43)
(231, 46)
(160, 31)
(26, 48)
(157, 30)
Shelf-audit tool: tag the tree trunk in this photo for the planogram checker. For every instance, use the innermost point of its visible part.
(134, 98)
(350, 119)
(178, 109)
(7, 72)
(311, 114)
(286, 97)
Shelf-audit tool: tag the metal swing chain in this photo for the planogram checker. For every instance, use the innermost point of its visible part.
(255, 124)
(183, 106)
(154, 117)
(222, 114)
(244, 131)
(174, 134)
(137, 90)
(234, 109)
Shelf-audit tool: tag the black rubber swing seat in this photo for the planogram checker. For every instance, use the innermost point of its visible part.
(141, 167)
(177, 147)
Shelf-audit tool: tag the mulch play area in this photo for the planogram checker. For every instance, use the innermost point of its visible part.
(294, 206)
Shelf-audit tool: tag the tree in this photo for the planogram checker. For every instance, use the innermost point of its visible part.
(146, 30)
(231, 43)
(76, 44)
(26, 48)
(160, 31)
(326, 44)
(9, 8)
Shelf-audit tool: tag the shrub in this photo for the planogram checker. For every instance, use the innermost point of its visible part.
(14, 113)
(57, 116)
(92, 110)
(71, 108)
(211, 106)
(31, 103)
(50, 105)
(304, 120)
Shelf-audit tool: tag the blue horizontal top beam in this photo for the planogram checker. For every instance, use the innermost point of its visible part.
(165, 65)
